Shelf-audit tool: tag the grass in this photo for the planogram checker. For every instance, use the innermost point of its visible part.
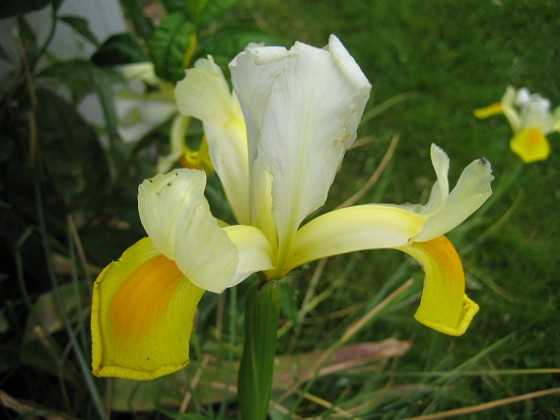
(454, 57)
(445, 59)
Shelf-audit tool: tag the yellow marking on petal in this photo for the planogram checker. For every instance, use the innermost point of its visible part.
(142, 315)
(489, 111)
(444, 306)
(197, 159)
(137, 306)
(531, 145)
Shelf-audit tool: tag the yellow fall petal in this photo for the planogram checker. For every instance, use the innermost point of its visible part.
(357, 228)
(489, 111)
(531, 145)
(142, 315)
(444, 305)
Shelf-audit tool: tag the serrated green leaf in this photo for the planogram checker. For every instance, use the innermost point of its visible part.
(72, 154)
(168, 46)
(119, 49)
(229, 42)
(81, 26)
(10, 8)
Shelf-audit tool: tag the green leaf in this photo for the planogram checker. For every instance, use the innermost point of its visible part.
(119, 49)
(172, 6)
(228, 42)
(81, 26)
(169, 44)
(78, 76)
(204, 11)
(72, 155)
(141, 23)
(257, 362)
(10, 8)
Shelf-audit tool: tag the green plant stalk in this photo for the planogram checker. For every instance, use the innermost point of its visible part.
(257, 362)
(77, 294)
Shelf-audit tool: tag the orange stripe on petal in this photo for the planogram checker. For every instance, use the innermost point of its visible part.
(444, 306)
(142, 315)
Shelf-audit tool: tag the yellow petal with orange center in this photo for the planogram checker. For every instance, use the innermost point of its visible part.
(444, 306)
(142, 315)
(531, 145)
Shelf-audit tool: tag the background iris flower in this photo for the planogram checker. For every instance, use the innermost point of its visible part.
(530, 119)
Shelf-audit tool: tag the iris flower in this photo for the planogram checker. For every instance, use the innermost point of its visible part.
(276, 143)
(530, 119)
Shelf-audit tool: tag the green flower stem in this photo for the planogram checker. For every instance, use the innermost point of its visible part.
(257, 362)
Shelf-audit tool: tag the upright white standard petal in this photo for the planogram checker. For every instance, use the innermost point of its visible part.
(177, 218)
(302, 108)
(204, 94)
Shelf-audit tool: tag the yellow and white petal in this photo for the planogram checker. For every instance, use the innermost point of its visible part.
(142, 315)
(254, 251)
(509, 108)
(444, 306)
(535, 112)
(556, 118)
(531, 145)
(177, 218)
(205, 95)
(471, 191)
(440, 189)
(302, 108)
(139, 113)
(354, 228)
(141, 72)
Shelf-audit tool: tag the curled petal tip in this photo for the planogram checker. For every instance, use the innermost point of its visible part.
(470, 309)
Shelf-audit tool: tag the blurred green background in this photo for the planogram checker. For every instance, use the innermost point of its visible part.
(438, 61)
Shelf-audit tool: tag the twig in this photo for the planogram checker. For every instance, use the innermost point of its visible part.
(376, 175)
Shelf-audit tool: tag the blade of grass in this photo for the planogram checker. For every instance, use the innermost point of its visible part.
(349, 333)
(84, 367)
(376, 174)
(487, 406)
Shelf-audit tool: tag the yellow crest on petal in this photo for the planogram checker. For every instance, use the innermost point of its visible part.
(531, 145)
(142, 315)
(197, 159)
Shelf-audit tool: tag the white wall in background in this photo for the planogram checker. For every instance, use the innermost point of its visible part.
(105, 17)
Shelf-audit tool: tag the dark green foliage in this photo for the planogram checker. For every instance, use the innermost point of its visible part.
(72, 154)
(119, 49)
(168, 46)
